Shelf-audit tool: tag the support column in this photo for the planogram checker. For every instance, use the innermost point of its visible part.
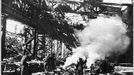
(4, 18)
(35, 45)
(44, 42)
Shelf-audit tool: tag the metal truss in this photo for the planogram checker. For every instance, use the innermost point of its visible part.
(3, 31)
(35, 41)
(37, 16)
(47, 16)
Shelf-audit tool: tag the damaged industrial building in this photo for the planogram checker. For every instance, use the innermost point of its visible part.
(67, 37)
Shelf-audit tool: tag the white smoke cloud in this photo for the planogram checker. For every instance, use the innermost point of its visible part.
(101, 37)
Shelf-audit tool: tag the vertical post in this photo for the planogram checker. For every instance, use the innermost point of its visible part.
(34, 50)
(25, 34)
(96, 8)
(44, 41)
(4, 18)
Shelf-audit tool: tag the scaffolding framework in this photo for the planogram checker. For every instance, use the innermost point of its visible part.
(46, 24)
(34, 41)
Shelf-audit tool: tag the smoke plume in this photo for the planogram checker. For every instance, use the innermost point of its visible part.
(100, 37)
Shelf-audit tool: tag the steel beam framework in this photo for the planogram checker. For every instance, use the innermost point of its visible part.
(35, 41)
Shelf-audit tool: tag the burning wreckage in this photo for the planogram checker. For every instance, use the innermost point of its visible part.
(102, 36)
(99, 39)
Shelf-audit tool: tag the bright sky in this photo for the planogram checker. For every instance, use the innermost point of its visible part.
(14, 26)
(76, 0)
(118, 1)
(111, 1)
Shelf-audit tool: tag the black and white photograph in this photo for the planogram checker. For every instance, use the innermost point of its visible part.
(66, 37)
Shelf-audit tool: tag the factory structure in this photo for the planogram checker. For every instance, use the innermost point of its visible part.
(43, 34)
